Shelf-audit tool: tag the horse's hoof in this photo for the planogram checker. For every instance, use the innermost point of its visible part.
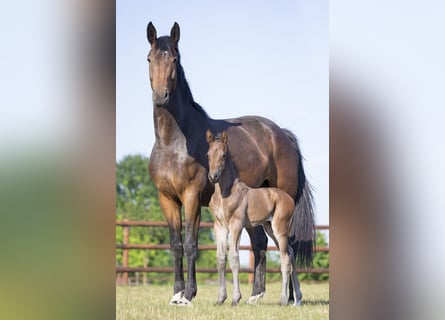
(297, 303)
(255, 299)
(234, 304)
(176, 298)
(184, 302)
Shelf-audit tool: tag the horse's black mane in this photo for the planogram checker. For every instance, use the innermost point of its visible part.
(188, 93)
(164, 44)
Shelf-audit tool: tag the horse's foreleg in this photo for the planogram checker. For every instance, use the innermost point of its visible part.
(258, 240)
(192, 218)
(172, 213)
(221, 232)
(235, 235)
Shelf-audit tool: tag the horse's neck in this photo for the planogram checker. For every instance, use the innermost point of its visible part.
(179, 121)
(167, 130)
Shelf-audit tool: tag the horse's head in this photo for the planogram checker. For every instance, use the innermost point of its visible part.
(217, 154)
(163, 59)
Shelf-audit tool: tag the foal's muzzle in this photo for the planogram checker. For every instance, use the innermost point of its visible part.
(161, 99)
(214, 177)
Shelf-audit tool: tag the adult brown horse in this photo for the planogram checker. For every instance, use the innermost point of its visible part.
(263, 153)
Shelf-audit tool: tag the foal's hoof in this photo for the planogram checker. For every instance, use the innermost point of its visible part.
(179, 300)
(235, 300)
(283, 301)
(255, 299)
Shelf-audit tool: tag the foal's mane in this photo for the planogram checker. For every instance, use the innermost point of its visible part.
(228, 154)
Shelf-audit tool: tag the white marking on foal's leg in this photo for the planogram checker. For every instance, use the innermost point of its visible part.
(255, 299)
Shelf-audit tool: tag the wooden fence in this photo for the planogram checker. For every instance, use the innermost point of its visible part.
(124, 269)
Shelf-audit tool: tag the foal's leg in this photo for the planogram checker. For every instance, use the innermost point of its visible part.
(221, 232)
(235, 235)
(280, 239)
(172, 213)
(285, 269)
(258, 239)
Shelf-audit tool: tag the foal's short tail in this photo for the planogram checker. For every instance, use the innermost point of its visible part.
(302, 230)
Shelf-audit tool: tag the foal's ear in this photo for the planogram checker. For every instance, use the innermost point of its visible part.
(174, 33)
(224, 137)
(209, 136)
(151, 33)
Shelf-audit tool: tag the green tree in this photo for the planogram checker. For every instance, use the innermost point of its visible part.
(321, 260)
(136, 195)
(137, 199)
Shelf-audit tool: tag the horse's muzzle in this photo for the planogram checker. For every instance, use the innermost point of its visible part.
(161, 100)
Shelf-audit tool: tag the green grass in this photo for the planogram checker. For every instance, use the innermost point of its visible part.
(152, 302)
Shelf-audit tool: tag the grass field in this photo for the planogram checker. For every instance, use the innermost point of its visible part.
(151, 302)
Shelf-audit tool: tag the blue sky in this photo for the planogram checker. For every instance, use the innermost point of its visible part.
(240, 58)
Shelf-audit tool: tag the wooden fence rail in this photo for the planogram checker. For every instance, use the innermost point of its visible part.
(125, 269)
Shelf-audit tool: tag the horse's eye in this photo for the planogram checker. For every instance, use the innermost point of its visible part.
(175, 60)
(224, 156)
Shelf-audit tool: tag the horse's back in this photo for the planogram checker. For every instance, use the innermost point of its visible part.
(263, 154)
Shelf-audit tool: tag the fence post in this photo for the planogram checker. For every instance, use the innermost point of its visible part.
(144, 275)
(125, 252)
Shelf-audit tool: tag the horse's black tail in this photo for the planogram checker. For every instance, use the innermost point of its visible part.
(302, 230)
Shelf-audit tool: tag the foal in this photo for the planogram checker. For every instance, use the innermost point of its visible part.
(235, 205)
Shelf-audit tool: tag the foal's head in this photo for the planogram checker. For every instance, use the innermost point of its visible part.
(163, 59)
(217, 154)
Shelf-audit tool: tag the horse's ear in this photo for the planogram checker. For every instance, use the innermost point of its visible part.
(224, 137)
(174, 33)
(151, 33)
(209, 136)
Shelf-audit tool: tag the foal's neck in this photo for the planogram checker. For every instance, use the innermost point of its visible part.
(229, 177)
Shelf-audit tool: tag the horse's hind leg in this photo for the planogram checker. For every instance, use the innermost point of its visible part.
(294, 284)
(172, 214)
(258, 239)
